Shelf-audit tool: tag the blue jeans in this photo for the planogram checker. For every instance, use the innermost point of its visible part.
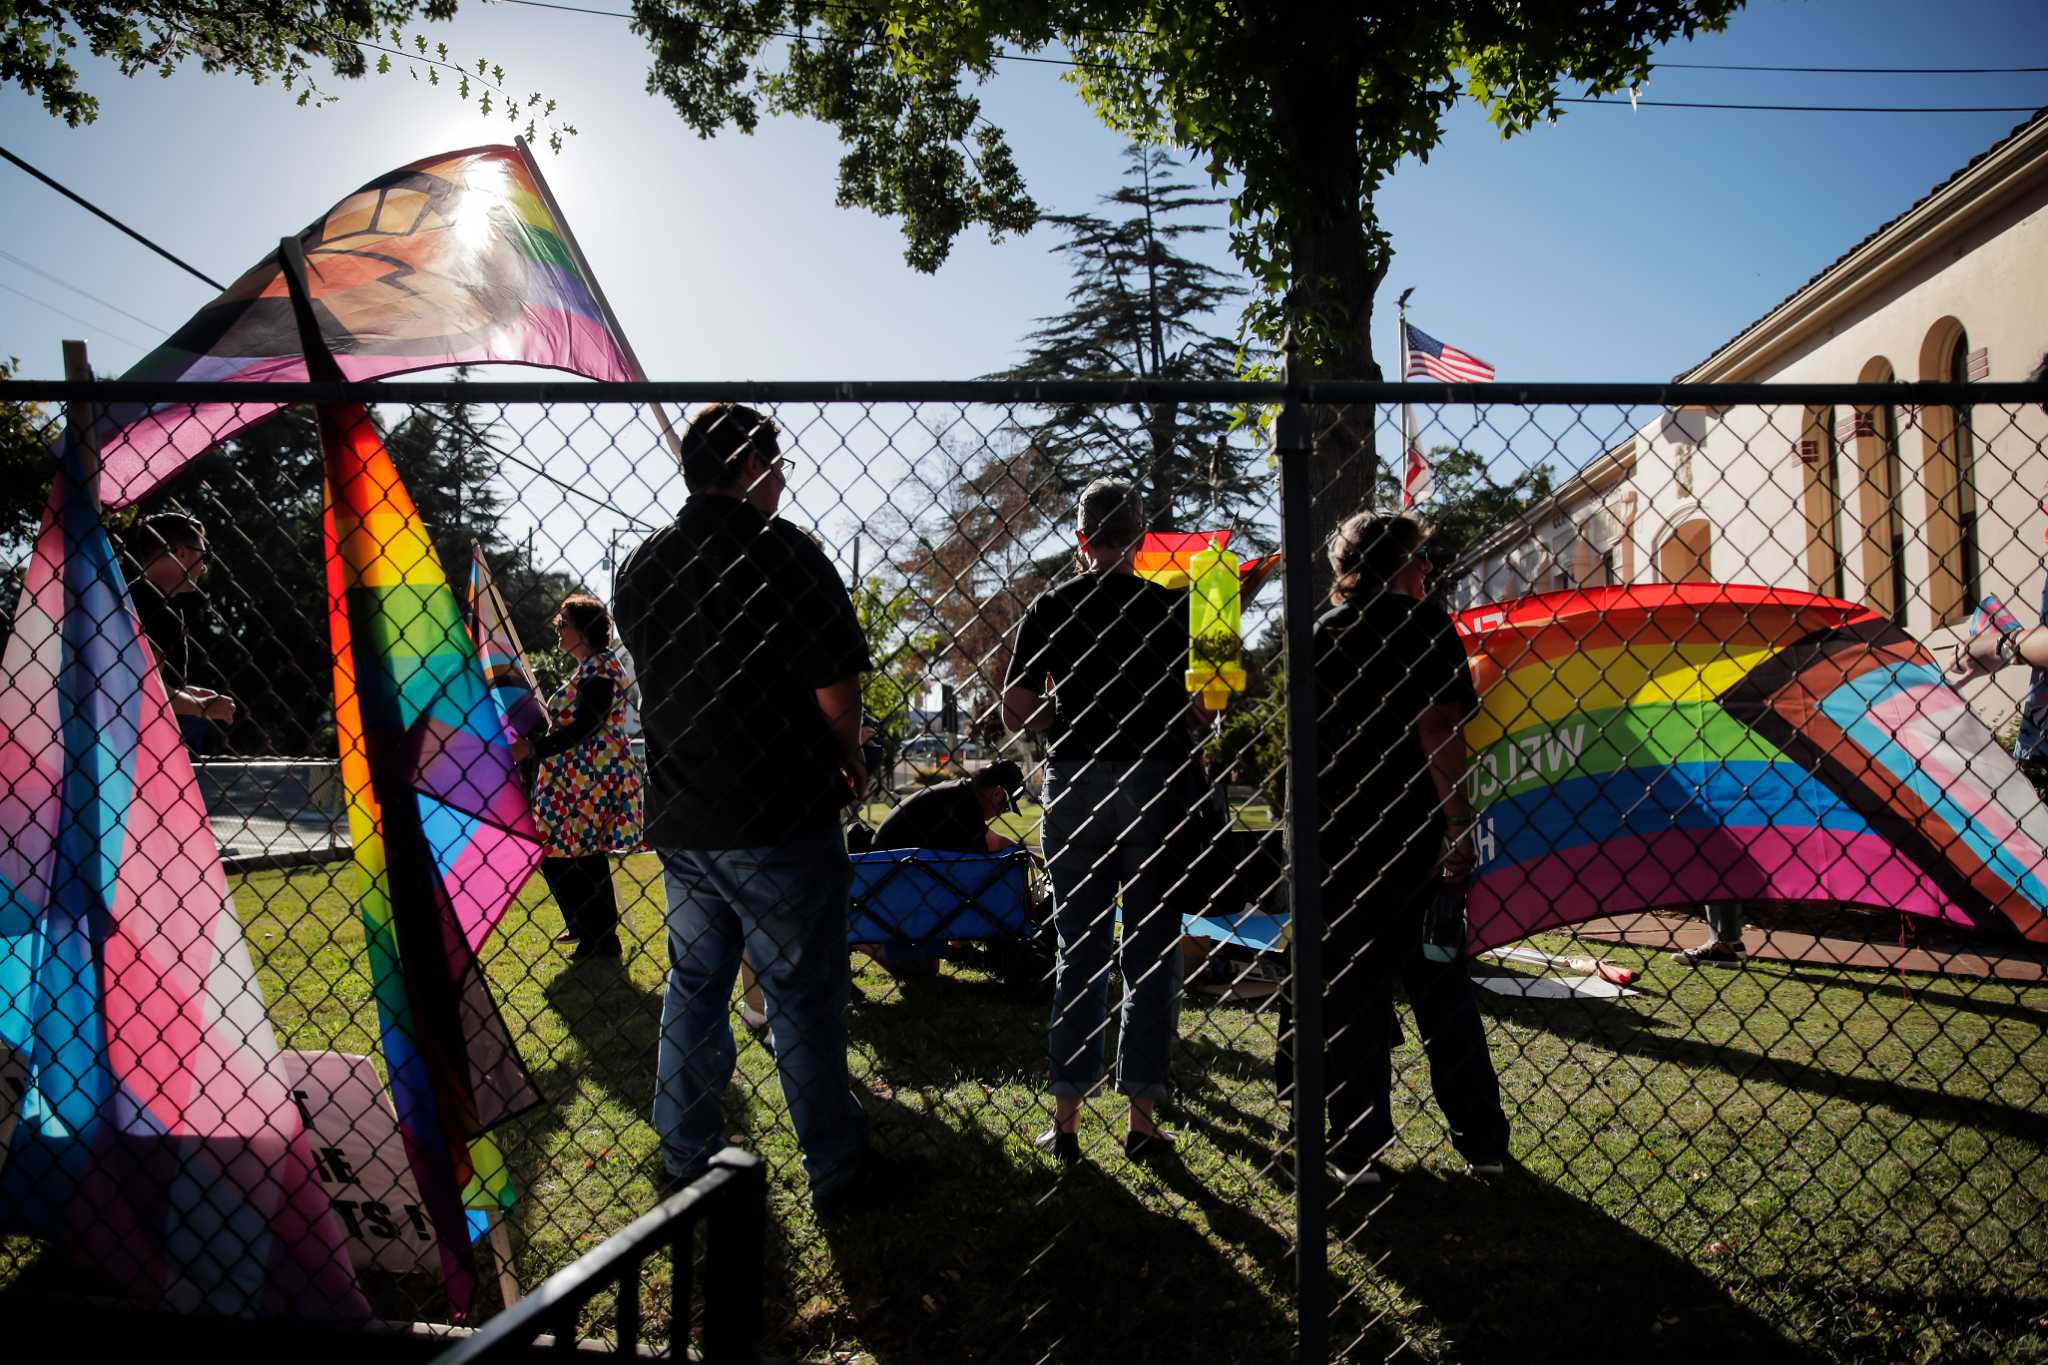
(1106, 828)
(786, 907)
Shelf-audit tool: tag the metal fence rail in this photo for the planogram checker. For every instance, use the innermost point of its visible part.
(1721, 691)
(729, 1202)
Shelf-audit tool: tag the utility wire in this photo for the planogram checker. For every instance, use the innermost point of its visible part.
(101, 328)
(1807, 108)
(82, 293)
(93, 208)
(1654, 104)
(1858, 70)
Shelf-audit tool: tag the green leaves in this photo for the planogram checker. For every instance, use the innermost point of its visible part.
(1303, 109)
(284, 41)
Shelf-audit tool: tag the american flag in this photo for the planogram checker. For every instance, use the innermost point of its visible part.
(1429, 358)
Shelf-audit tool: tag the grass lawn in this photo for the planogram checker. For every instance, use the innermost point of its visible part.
(1802, 1163)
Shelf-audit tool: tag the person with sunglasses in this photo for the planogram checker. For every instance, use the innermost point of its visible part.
(749, 656)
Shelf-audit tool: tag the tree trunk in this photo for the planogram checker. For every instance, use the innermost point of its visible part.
(1335, 272)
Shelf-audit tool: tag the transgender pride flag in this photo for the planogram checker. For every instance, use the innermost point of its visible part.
(457, 259)
(156, 1143)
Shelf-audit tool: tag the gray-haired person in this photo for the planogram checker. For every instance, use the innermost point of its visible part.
(1098, 666)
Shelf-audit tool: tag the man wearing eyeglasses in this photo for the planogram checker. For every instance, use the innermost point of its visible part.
(749, 655)
(171, 548)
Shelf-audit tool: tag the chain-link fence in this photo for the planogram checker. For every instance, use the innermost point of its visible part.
(1734, 1037)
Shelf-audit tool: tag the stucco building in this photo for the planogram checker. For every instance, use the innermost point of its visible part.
(1918, 511)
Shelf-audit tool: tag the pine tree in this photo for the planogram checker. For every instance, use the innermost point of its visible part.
(1138, 309)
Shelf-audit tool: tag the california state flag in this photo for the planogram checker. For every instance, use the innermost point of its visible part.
(1416, 484)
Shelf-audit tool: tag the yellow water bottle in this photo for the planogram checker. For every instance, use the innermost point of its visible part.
(1215, 651)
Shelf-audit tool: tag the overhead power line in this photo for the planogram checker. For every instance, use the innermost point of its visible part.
(1640, 103)
(1625, 103)
(100, 328)
(95, 209)
(63, 283)
(1858, 70)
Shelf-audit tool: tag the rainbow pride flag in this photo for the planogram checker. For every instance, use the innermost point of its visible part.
(1688, 744)
(155, 1140)
(1163, 557)
(455, 259)
(498, 649)
(443, 835)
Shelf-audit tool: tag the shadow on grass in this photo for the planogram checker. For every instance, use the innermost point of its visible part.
(1515, 1269)
(1630, 1032)
(997, 1255)
(1965, 995)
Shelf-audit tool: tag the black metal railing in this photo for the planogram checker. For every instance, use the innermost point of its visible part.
(728, 1203)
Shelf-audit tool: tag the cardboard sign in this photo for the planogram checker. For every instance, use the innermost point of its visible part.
(359, 1155)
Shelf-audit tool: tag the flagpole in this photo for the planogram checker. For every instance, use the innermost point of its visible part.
(433, 1015)
(1407, 418)
(611, 319)
(82, 423)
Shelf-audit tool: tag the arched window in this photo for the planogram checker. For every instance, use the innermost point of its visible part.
(1954, 574)
(1824, 567)
(1687, 555)
(1883, 485)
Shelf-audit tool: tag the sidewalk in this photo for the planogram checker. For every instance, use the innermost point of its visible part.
(254, 843)
(1930, 948)
(270, 813)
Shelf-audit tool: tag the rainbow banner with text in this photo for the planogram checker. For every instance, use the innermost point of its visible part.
(1690, 744)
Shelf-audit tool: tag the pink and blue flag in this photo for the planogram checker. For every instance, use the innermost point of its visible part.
(155, 1141)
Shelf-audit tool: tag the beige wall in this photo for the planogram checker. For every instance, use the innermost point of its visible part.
(1974, 259)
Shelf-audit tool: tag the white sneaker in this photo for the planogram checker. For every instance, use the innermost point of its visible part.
(753, 1019)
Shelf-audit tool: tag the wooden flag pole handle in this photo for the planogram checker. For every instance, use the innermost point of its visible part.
(611, 319)
(80, 425)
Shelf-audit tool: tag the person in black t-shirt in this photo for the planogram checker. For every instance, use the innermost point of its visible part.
(1393, 692)
(749, 658)
(170, 547)
(955, 817)
(1098, 665)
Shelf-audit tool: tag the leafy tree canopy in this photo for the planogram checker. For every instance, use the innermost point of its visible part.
(1306, 108)
(292, 42)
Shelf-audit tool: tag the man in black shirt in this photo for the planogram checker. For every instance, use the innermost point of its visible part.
(749, 659)
(170, 547)
(955, 817)
(1099, 665)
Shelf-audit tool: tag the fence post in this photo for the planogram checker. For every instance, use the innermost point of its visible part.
(1293, 445)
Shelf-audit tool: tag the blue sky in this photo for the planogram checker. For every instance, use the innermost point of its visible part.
(1614, 245)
